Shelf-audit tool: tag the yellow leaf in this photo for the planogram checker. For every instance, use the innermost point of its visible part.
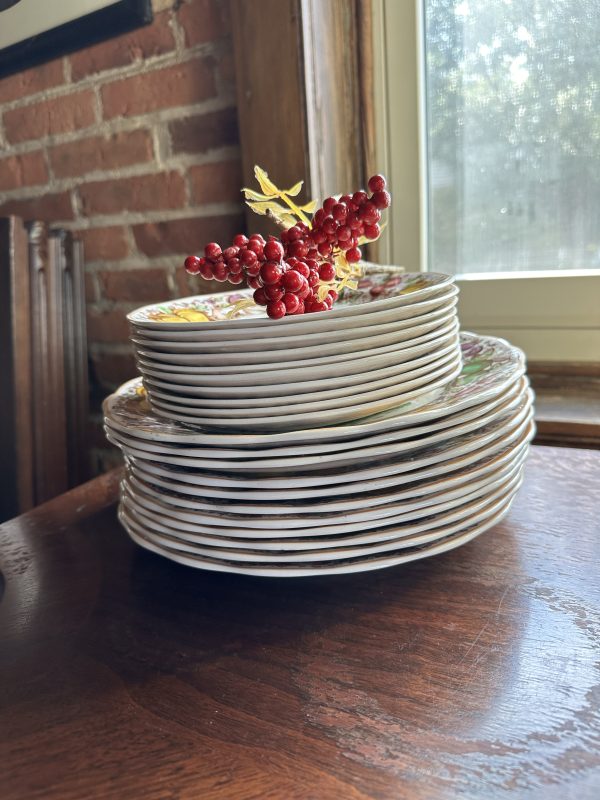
(266, 184)
(263, 206)
(310, 208)
(239, 306)
(250, 194)
(296, 189)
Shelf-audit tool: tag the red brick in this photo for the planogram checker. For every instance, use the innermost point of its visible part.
(151, 40)
(178, 85)
(59, 115)
(216, 183)
(101, 153)
(139, 193)
(47, 207)
(139, 285)
(193, 284)
(38, 79)
(90, 288)
(112, 369)
(204, 21)
(204, 132)
(27, 169)
(185, 236)
(104, 244)
(107, 326)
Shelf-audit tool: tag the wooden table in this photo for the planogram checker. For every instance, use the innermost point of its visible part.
(475, 674)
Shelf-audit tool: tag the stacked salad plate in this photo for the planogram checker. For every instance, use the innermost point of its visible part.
(271, 484)
(392, 341)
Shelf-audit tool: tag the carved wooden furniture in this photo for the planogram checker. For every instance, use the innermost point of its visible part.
(472, 674)
(43, 352)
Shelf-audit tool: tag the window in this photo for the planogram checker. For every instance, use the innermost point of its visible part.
(487, 116)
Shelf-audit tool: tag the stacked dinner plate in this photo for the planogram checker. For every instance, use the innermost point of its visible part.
(393, 341)
(424, 475)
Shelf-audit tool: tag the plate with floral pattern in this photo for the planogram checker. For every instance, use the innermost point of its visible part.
(490, 365)
(364, 564)
(385, 289)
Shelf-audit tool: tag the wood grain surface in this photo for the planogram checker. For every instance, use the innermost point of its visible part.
(475, 674)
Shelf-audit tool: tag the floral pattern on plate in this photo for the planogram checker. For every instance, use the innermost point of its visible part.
(225, 306)
(489, 365)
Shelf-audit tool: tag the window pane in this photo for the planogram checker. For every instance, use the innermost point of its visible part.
(513, 134)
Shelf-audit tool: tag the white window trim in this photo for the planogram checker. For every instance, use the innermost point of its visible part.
(554, 315)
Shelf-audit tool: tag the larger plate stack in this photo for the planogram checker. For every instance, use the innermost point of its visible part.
(400, 485)
(395, 340)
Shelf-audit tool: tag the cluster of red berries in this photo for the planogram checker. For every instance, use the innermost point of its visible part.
(286, 273)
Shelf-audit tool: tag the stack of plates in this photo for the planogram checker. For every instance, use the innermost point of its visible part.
(393, 341)
(401, 485)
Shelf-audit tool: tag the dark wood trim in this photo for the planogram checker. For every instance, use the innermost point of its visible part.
(16, 441)
(303, 112)
(564, 369)
(118, 18)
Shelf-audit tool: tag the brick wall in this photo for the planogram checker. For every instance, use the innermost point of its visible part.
(134, 144)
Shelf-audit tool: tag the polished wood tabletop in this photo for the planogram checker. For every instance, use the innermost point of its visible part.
(475, 674)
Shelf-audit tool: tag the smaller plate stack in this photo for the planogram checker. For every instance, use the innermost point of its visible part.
(393, 341)
(401, 485)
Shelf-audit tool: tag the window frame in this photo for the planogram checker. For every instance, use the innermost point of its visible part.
(553, 315)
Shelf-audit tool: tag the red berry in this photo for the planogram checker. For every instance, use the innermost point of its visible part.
(235, 278)
(318, 306)
(368, 213)
(294, 233)
(381, 199)
(346, 199)
(327, 272)
(372, 231)
(304, 290)
(192, 265)
(240, 240)
(313, 278)
(253, 270)
(230, 252)
(292, 281)
(376, 183)
(344, 233)
(220, 272)
(353, 255)
(297, 249)
(254, 283)
(360, 197)
(339, 212)
(318, 236)
(324, 249)
(256, 246)
(353, 221)
(248, 257)
(291, 303)
(329, 226)
(328, 204)
(206, 271)
(318, 218)
(234, 265)
(259, 297)
(276, 310)
(333, 294)
(302, 268)
(328, 300)
(273, 251)
(300, 309)
(212, 251)
(273, 293)
(257, 237)
(270, 273)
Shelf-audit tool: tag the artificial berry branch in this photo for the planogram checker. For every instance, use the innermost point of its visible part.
(304, 269)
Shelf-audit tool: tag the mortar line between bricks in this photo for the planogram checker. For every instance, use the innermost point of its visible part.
(124, 124)
(176, 163)
(138, 67)
(151, 217)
